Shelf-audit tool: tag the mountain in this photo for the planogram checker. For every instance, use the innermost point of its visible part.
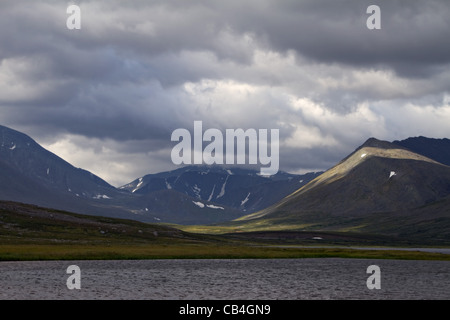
(436, 149)
(381, 187)
(33, 175)
(27, 160)
(238, 188)
(192, 195)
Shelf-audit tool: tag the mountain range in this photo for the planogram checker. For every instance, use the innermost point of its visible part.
(395, 188)
(189, 195)
(237, 188)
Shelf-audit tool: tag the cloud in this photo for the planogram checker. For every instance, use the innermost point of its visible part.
(119, 162)
(137, 70)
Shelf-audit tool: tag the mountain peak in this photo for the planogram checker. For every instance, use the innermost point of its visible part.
(10, 138)
(376, 143)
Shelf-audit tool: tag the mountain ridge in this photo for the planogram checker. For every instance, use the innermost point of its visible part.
(243, 189)
(371, 148)
(385, 182)
(31, 174)
(436, 149)
(379, 178)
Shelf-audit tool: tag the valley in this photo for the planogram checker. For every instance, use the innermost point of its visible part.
(30, 233)
(383, 195)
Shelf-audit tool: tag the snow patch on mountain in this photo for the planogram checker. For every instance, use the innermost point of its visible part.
(222, 191)
(141, 181)
(101, 196)
(212, 193)
(245, 200)
(211, 206)
(215, 207)
(197, 191)
(199, 204)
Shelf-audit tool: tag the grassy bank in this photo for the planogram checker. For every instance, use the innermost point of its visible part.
(118, 252)
(33, 233)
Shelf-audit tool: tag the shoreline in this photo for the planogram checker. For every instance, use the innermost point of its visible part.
(422, 249)
(150, 252)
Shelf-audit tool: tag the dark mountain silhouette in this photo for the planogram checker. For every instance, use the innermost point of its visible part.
(436, 149)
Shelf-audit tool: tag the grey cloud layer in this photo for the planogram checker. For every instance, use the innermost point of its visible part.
(139, 69)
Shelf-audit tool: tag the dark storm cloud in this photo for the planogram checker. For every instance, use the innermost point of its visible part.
(137, 70)
(413, 39)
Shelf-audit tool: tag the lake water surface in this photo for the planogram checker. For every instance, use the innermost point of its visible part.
(233, 279)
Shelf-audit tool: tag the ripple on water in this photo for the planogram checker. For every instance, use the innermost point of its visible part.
(234, 279)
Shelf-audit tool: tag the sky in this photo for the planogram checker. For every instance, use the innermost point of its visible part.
(107, 97)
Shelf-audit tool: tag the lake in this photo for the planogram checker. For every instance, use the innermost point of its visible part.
(226, 279)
